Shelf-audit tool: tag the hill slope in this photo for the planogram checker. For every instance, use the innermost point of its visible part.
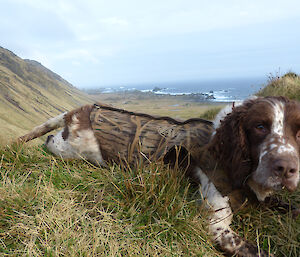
(30, 94)
(287, 85)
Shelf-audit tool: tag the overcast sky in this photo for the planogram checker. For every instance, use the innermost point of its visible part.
(97, 43)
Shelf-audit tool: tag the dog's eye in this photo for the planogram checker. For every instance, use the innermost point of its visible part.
(261, 128)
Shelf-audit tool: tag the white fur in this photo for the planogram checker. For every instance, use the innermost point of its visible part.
(215, 201)
(278, 118)
(261, 193)
(57, 121)
(221, 115)
(79, 144)
(220, 215)
(60, 147)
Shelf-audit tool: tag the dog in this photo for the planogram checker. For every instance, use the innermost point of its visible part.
(250, 152)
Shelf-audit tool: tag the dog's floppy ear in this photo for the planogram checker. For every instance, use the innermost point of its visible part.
(230, 145)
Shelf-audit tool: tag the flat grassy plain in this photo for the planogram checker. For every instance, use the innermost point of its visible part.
(180, 107)
(53, 207)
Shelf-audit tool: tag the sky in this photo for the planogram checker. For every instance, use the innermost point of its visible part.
(100, 43)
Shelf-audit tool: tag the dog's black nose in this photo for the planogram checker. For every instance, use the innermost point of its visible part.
(49, 138)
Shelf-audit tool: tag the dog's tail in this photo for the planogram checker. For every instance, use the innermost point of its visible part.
(49, 125)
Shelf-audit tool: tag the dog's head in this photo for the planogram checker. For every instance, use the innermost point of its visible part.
(258, 144)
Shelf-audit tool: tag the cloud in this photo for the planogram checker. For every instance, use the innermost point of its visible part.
(116, 40)
(83, 55)
(115, 21)
(31, 24)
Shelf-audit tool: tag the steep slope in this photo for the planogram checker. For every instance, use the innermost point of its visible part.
(30, 94)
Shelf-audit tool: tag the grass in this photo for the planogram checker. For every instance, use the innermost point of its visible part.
(287, 85)
(162, 105)
(52, 207)
(211, 113)
(49, 207)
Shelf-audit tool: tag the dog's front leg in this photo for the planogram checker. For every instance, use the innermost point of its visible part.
(220, 219)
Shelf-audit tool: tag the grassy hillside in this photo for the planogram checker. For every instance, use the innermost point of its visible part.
(287, 85)
(30, 93)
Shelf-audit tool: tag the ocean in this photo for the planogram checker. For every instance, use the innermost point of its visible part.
(222, 90)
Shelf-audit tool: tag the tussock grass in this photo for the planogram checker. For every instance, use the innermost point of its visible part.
(287, 85)
(211, 113)
(52, 207)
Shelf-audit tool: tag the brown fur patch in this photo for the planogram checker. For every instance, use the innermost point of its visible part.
(83, 116)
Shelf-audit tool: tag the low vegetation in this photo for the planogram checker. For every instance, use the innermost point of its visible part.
(211, 113)
(52, 207)
(178, 107)
(49, 207)
(287, 85)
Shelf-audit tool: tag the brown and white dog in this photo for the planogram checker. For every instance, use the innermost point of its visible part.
(252, 151)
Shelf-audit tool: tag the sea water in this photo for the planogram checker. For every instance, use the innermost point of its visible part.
(223, 90)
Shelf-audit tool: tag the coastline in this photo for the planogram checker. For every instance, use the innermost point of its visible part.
(217, 90)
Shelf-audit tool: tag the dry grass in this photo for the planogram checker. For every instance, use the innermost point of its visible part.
(287, 85)
(51, 207)
(162, 105)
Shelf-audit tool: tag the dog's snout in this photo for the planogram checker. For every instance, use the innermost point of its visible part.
(288, 170)
(285, 167)
(49, 138)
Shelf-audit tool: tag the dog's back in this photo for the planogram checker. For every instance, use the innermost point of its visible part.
(127, 135)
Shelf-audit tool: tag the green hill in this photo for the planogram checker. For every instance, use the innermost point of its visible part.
(31, 93)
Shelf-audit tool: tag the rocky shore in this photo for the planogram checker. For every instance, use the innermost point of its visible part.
(154, 94)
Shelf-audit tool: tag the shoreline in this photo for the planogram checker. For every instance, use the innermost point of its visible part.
(140, 95)
(227, 90)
